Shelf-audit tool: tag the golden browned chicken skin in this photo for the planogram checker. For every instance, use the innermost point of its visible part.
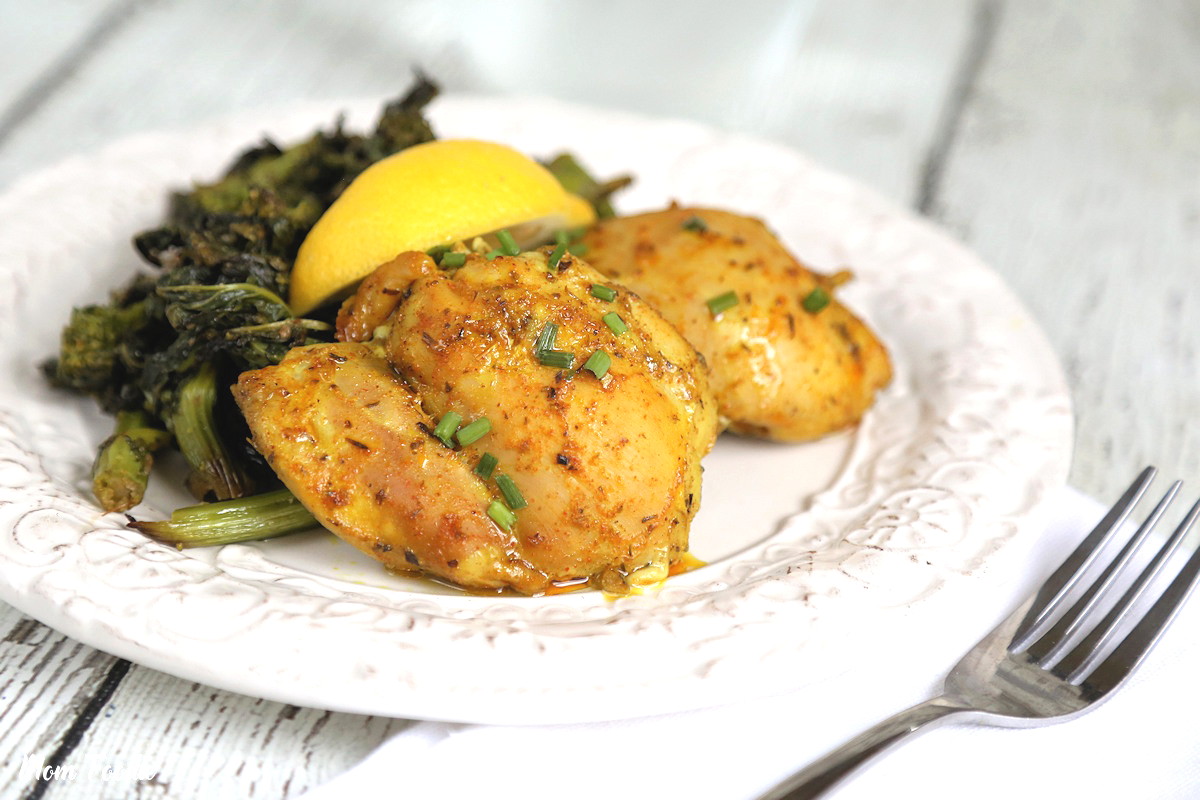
(609, 467)
(779, 370)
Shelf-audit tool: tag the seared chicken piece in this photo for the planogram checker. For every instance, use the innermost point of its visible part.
(788, 361)
(609, 466)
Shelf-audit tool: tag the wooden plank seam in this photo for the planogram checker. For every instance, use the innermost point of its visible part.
(983, 33)
(61, 70)
(87, 716)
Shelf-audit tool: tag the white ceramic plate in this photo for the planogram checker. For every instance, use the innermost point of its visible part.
(820, 555)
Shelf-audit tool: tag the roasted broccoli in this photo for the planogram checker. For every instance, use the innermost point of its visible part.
(211, 305)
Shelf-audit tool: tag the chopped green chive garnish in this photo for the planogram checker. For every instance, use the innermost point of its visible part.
(544, 352)
(447, 426)
(555, 257)
(486, 466)
(598, 363)
(817, 299)
(508, 245)
(493, 253)
(437, 252)
(561, 237)
(453, 259)
(501, 515)
(615, 323)
(578, 249)
(512, 495)
(474, 431)
(695, 224)
(545, 339)
(556, 358)
(722, 302)
(605, 293)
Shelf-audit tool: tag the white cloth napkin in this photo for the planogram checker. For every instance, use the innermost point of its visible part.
(1140, 744)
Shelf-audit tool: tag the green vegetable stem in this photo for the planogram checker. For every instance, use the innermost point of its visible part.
(245, 519)
(576, 180)
(214, 474)
(122, 468)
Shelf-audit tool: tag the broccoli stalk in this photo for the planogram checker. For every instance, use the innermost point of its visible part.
(122, 468)
(193, 421)
(245, 519)
(576, 180)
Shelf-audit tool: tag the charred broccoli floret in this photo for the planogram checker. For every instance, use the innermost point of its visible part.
(171, 342)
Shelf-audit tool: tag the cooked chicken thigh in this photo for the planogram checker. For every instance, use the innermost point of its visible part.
(788, 361)
(608, 463)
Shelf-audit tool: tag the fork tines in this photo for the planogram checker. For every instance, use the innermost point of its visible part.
(1053, 641)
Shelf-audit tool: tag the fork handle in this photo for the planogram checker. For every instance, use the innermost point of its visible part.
(821, 775)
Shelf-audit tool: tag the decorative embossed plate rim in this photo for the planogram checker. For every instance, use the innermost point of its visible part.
(924, 507)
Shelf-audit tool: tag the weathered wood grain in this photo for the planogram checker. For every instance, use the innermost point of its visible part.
(864, 91)
(1076, 174)
(196, 741)
(173, 64)
(859, 84)
(46, 680)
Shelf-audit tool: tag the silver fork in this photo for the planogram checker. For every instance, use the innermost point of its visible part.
(1037, 666)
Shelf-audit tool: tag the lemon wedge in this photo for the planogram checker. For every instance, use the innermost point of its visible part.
(431, 194)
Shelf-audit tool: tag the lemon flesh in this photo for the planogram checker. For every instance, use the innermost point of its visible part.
(431, 194)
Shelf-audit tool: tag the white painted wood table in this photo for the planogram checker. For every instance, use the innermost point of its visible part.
(1060, 140)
